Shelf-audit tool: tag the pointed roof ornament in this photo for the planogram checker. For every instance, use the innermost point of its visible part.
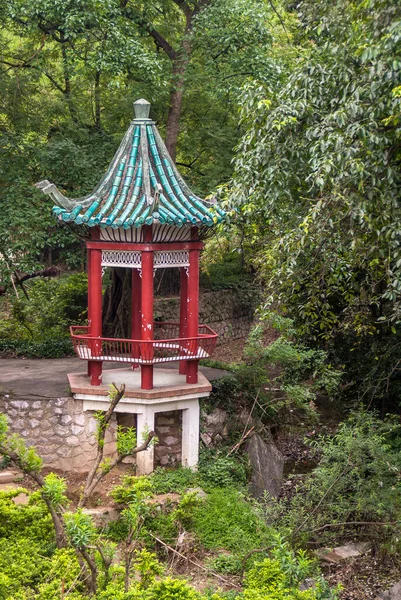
(141, 109)
(142, 186)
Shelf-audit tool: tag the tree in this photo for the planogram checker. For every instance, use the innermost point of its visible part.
(318, 177)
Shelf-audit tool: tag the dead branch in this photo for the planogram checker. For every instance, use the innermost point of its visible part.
(345, 523)
(194, 562)
(244, 437)
(20, 278)
(96, 474)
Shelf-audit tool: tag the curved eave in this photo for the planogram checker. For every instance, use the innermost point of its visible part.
(141, 187)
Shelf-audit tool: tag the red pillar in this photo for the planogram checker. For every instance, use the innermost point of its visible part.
(136, 312)
(183, 313)
(147, 318)
(193, 312)
(88, 270)
(95, 313)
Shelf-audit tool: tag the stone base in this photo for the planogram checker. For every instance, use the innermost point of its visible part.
(167, 385)
(170, 393)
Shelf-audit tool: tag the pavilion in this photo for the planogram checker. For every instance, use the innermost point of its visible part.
(144, 217)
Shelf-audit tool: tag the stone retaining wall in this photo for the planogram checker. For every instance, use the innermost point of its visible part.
(224, 311)
(62, 433)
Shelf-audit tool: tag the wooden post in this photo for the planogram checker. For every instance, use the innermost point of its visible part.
(193, 313)
(183, 315)
(147, 311)
(90, 363)
(136, 312)
(95, 312)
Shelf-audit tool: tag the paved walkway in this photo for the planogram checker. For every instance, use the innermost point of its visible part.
(47, 378)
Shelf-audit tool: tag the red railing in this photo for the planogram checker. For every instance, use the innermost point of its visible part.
(165, 347)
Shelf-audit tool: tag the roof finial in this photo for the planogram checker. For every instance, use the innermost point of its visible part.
(142, 109)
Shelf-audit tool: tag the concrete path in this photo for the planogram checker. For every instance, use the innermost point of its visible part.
(47, 378)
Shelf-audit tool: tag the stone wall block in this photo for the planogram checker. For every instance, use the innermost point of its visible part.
(19, 404)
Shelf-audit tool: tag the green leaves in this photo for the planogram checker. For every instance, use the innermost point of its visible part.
(321, 171)
(54, 489)
(80, 528)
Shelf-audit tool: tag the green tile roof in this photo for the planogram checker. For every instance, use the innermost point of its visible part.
(141, 186)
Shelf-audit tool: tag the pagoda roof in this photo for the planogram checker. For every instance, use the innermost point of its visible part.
(141, 186)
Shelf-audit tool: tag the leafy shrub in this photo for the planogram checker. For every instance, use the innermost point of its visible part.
(226, 563)
(132, 489)
(178, 480)
(51, 348)
(221, 471)
(226, 520)
(38, 327)
(26, 546)
(357, 480)
(266, 580)
(224, 274)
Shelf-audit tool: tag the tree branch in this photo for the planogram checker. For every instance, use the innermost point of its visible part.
(161, 42)
(186, 9)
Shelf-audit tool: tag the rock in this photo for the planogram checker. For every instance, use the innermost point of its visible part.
(171, 441)
(245, 418)
(206, 439)
(340, 553)
(163, 499)
(20, 404)
(215, 421)
(129, 460)
(307, 584)
(267, 465)
(102, 515)
(72, 440)
(22, 499)
(394, 593)
(9, 476)
(198, 491)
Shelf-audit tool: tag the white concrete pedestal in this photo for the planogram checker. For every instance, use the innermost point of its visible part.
(170, 393)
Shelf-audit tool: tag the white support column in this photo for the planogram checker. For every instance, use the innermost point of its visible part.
(190, 434)
(145, 423)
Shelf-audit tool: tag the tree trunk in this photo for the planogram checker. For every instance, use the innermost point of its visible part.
(97, 100)
(174, 113)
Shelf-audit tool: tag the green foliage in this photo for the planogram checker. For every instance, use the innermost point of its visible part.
(54, 489)
(356, 480)
(148, 567)
(80, 528)
(172, 589)
(266, 580)
(221, 471)
(126, 440)
(225, 563)
(38, 327)
(285, 364)
(317, 183)
(229, 272)
(226, 520)
(51, 348)
(26, 549)
(132, 489)
(14, 446)
(172, 480)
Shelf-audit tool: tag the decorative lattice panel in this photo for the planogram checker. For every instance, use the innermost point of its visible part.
(171, 258)
(121, 258)
(161, 260)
